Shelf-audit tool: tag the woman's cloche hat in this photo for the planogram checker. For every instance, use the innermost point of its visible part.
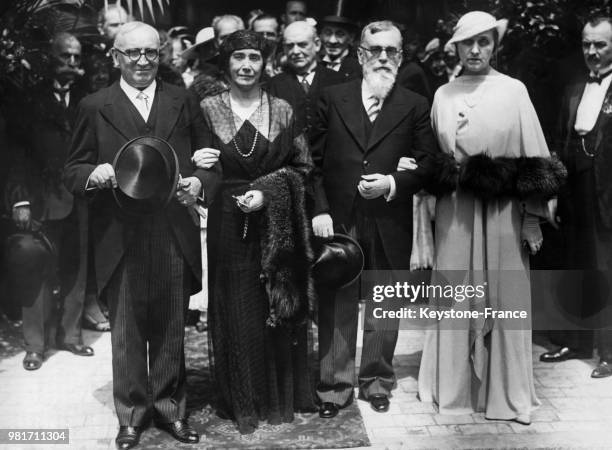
(476, 22)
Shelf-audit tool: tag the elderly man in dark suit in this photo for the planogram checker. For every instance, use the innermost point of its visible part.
(148, 266)
(362, 130)
(586, 209)
(38, 198)
(302, 82)
(337, 35)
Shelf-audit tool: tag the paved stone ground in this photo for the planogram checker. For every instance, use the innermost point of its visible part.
(75, 392)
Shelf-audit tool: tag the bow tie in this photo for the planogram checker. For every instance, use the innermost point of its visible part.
(597, 78)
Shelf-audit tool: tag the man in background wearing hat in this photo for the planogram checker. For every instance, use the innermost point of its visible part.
(337, 36)
(361, 131)
(208, 79)
(302, 82)
(586, 208)
(37, 196)
(148, 265)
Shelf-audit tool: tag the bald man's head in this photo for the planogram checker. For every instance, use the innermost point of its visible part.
(136, 53)
(110, 19)
(301, 45)
(127, 32)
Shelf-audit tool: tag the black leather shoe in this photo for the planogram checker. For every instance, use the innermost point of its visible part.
(128, 437)
(602, 370)
(32, 361)
(328, 410)
(379, 402)
(561, 354)
(78, 349)
(181, 431)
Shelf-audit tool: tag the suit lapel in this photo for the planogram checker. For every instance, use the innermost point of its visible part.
(393, 111)
(603, 121)
(574, 101)
(116, 110)
(168, 111)
(350, 111)
(316, 80)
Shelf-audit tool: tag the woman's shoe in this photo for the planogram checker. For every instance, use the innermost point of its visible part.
(523, 419)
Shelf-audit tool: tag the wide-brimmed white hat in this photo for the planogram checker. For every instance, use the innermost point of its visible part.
(476, 22)
(204, 46)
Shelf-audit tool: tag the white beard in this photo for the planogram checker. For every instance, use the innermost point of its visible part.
(379, 82)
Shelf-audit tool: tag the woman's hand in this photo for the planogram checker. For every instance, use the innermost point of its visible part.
(531, 234)
(205, 158)
(251, 201)
(406, 163)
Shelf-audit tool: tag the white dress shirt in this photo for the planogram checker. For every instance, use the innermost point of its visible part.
(133, 94)
(308, 77)
(368, 99)
(334, 64)
(65, 89)
(591, 103)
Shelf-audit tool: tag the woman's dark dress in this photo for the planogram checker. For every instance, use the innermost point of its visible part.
(262, 373)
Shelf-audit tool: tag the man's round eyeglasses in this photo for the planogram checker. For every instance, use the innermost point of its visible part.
(376, 51)
(134, 54)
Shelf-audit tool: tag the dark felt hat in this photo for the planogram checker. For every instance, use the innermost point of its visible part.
(341, 21)
(147, 173)
(28, 261)
(338, 262)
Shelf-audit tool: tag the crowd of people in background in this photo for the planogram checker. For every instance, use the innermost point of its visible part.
(289, 131)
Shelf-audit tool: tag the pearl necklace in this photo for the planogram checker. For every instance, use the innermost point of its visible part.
(246, 155)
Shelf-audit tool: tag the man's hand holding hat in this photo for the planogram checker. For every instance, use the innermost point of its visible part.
(323, 226)
(103, 176)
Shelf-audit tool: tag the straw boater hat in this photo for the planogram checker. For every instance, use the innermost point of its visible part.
(477, 22)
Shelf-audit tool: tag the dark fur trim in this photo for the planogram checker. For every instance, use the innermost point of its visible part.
(488, 177)
(447, 174)
(286, 253)
(541, 177)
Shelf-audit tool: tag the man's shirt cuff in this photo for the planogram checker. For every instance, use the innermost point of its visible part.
(392, 189)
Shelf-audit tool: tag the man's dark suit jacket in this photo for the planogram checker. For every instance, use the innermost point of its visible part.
(602, 162)
(412, 76)
(342, 153)
(286, 86)
(104, 124)
(37, 174)
(350, 68)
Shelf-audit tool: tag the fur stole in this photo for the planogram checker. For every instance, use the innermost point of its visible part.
(490, 178)
(286, 253)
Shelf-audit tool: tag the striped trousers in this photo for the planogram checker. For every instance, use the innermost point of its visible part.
(338, 322)
(148, 295)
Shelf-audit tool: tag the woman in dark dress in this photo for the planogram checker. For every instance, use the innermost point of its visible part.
(259, 252)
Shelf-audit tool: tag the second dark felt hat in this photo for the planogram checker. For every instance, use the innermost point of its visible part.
(338, 262)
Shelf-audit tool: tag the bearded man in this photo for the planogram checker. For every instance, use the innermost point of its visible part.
(362, 129)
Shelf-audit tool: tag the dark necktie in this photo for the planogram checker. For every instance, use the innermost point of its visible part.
(305, 85)
(597, 78)
(62, 96)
